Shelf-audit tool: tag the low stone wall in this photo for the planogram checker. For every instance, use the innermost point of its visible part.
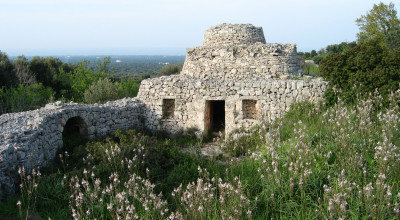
(32, 138)
(241, 62)
(271, 97)
(233, 34)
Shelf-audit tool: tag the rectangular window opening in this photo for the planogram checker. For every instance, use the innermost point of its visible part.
(250, 109)
(168, 108)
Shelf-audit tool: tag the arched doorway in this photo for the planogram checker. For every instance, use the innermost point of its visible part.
(76, 126)
(75, 132)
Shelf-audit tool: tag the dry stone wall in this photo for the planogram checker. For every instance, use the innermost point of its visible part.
(271, 97)
(237, 68)
(241, 62)
(234, 79)
(30, 139)
(239, 51)
(250, 109)
(233, 34)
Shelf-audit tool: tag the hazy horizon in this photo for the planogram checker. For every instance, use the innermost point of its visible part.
(168, 27)
(98, 52)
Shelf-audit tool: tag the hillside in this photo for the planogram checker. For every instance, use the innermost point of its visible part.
(315, 162)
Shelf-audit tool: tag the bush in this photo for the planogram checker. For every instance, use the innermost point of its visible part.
(317, 59)
(363, 69)
(101, 91)
(105, 90)
(128, 88)
(171, 69)
(24, 98)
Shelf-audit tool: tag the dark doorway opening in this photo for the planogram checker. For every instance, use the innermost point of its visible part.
(215, 116)
(75, 133)
(76, 126)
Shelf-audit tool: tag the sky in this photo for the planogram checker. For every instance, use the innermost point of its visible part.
(168, 27)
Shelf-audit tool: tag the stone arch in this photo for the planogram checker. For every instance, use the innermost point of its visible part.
(76, 126)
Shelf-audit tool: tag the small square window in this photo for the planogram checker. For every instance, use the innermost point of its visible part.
(168, 108)
(250, 109)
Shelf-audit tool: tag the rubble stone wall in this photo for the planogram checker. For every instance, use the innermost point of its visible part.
(273, 97)
(30, 139)
(239, 51)
(233, 34)
(241, 62)
(250, 109)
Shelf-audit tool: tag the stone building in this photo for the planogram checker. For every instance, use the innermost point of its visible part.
(235, 79)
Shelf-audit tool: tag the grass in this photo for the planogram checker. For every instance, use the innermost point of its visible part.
(316, 162)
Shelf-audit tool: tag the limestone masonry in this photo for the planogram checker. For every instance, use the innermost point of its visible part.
(234, 80)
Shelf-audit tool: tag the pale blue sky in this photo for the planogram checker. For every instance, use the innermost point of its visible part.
(167, 27)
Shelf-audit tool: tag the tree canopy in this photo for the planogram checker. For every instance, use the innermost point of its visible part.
(28, 84)
(371, 64)
(378, 22)
(7, 74)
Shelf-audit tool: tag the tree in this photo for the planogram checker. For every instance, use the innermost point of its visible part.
(45, 69)
(7, 75)
(22, 71)
(313, 53)
(340, 48)
(361, 70)
(378, 22)
(103, 66)
(83, 76)
(393, 38)
(101, 91)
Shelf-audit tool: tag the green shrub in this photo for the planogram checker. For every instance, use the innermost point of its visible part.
(171, 69)
(105, 90)
(101, 91)
(363, 69)
(128, 88)
(24, 98)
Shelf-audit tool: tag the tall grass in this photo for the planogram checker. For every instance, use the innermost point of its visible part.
(313, 163)
(338, 162)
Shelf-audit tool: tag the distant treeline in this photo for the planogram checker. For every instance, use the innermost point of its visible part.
(31, 82)
(137, 67)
